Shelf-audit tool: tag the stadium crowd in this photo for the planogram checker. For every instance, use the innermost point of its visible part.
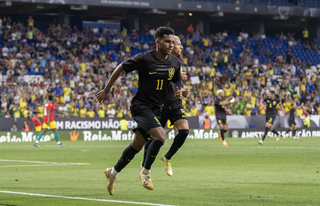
(75, 64)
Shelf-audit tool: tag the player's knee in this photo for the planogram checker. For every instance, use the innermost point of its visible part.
(184, 133)
(161, 138)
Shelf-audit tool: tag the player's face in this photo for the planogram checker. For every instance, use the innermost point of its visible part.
(222, 94)
(177, 49)
(165, 44)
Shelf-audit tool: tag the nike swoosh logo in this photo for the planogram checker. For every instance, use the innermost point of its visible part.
(153, 156)
(152, 73)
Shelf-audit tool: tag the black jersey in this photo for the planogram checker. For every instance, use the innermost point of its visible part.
(171, 102)
(292, 110)
(155, 78)
(271, 107)
(220, 111)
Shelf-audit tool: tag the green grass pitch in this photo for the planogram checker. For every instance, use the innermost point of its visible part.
(204, 173)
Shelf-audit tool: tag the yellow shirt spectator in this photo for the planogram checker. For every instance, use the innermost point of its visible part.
(189, 41)
(303, 87)
(205, 41)
(119, 113)
(102, 113)
(210, 110)
(226, 58)
(210, 85)
(91, 114)
(263, 81)
(227, 91)
(287, 106)
(212, 72)
(40, 111)
(305, 33)
(25, 112)
(135, 82)
(23, 104)
(75, 112)
(123, 124)
(60, 100)
(299, 112)
(253, 100)
(67, 91)
(194, 111)
(111, 105)
(83, 112)
(33, 97)
(248, 109)
(262, 111)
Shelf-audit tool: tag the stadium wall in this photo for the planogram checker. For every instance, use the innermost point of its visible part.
(96, 135)
(258, 133)
(234, 122)
(193, 6)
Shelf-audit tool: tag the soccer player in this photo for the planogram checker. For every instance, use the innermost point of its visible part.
(37, 123)
(48, 121)
(221, 114)
(291, 121)
(156, 71)
(174, 112)
(270, 104)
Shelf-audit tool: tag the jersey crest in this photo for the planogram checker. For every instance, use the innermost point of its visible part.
(171, 73)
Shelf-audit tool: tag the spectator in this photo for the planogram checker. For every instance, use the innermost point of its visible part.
(111, 112)
(190, 29)
(305, 34)
(123, 124)
(14, 128)
(30, 22)
(207, 123)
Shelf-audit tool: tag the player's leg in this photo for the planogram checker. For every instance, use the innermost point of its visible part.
(225, 129)
(148, 120)
(53, 126)
(159, 137)
(38, 138)
(267, 128)
(183, 131)
(127, 155)
(274, 131)
(221, 123)
(148, 139)
(289, 130)
(294, 128)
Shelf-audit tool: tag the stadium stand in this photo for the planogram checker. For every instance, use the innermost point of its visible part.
(72, 65)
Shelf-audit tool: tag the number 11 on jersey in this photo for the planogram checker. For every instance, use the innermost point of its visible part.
(160, 84)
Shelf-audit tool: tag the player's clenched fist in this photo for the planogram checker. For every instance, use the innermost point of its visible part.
(102, 95)
(178, 93)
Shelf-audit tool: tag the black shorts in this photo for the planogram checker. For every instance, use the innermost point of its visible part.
(270, 119)
(172, 114)
(146, 119)
(222, 121)
(291, 122)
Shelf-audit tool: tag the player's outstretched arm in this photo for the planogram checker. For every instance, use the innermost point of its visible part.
(228, 111)
(103, 94)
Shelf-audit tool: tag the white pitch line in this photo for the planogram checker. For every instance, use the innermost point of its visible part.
(1, 160)
(286, 147)
(40, 164)
(82, 198)
(45, 165)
